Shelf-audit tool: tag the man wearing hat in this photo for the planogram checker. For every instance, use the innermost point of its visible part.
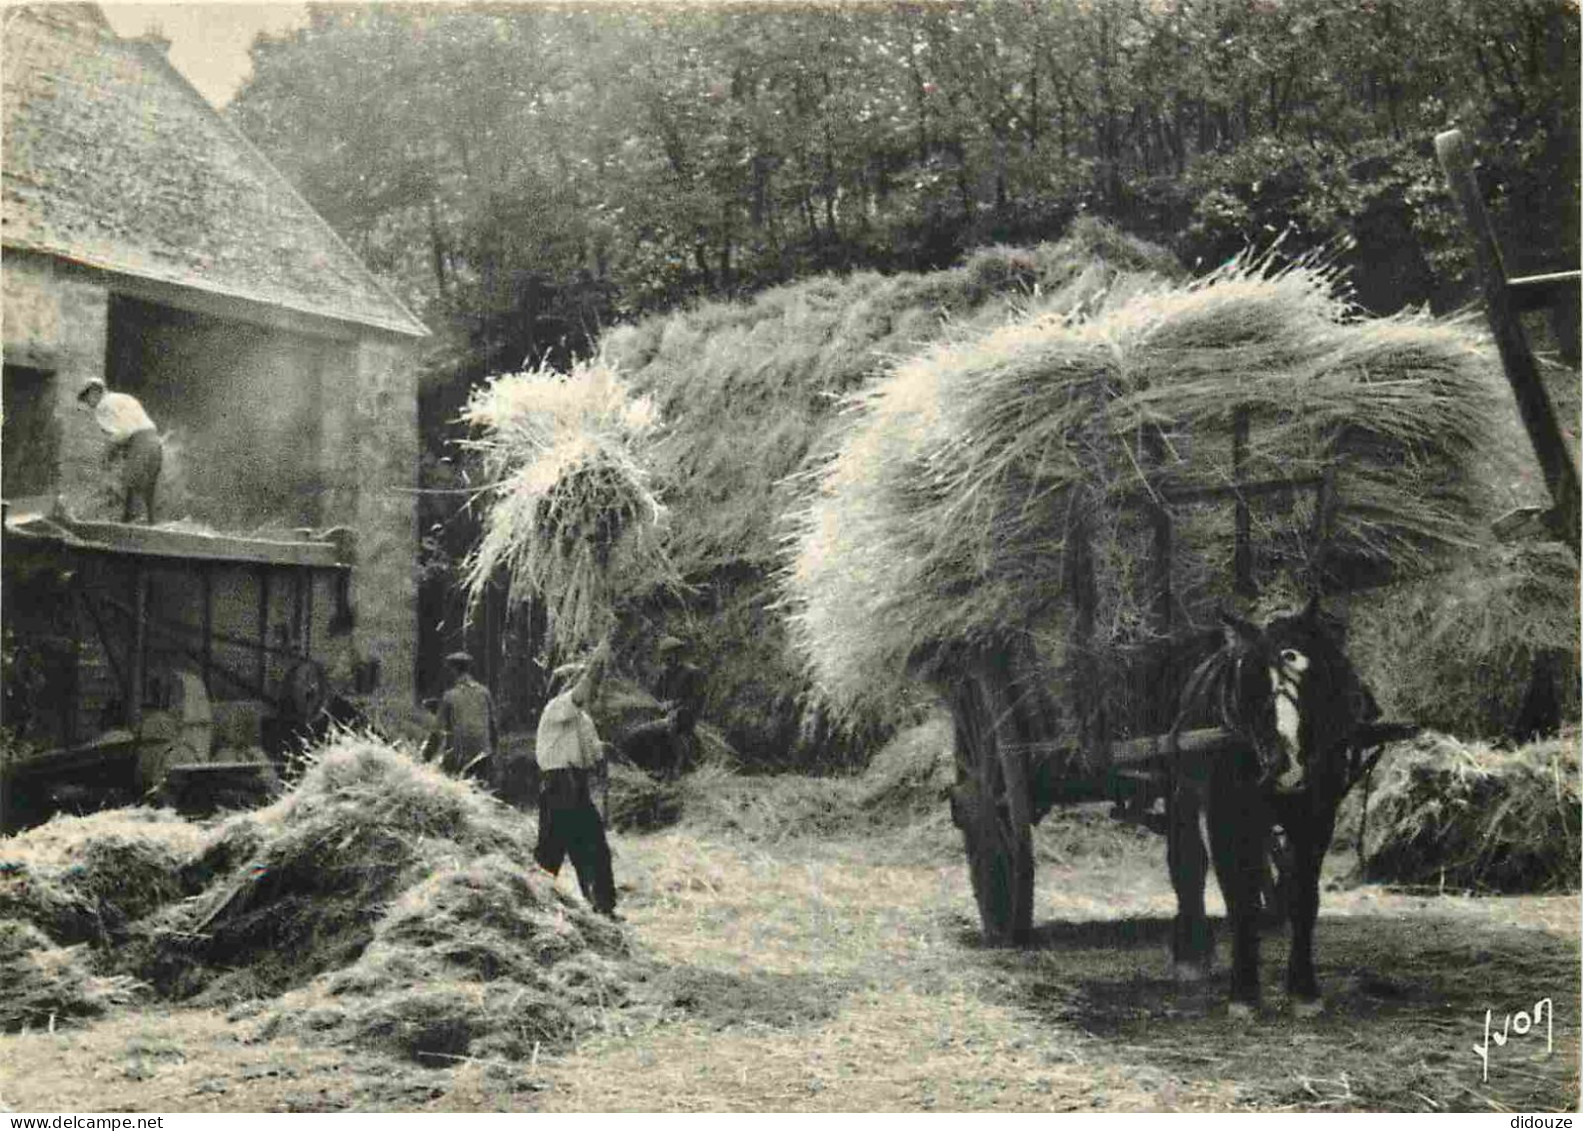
(466, 733)
(667, 746)
(570, 757)
(132, 439)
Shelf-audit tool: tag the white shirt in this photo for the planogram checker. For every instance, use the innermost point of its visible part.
(121, 417)
(566, 736)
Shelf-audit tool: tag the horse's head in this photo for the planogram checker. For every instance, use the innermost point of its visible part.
(1290, 689)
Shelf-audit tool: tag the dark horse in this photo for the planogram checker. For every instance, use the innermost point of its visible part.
(1289, 691)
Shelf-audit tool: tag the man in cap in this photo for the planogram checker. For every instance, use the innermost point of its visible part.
(570, 757)
(466, 733)
(132, 439)
(667, 746)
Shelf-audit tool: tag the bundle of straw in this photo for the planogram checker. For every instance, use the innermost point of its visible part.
(1466, 652)
(641, 802)
(565, 492)
(973, 473)
(1470, 816)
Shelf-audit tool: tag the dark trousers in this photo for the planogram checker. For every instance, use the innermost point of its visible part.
(141, 456)
(570, 825)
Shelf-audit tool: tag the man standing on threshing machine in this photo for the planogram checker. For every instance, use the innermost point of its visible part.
(133, 440)
(466, 735)
(571, 762)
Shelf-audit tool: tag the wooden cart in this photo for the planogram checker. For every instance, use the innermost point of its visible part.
(1010, 772)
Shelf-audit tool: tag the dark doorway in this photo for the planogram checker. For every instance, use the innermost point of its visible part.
(32, 434)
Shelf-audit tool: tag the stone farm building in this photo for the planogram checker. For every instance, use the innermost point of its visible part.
(147, 242)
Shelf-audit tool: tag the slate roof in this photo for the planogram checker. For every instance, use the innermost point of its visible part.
(113, 160)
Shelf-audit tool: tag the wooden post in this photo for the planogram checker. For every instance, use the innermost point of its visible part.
(1242, 552)
(71, 729)
(298, 607)
(998, 819)
(1325, 502)
(134, 694)
(1159, 673)
(490, 648)
(207, 574)
(263, 629)
(1160, 569)
(309, 583)
(1561, 474)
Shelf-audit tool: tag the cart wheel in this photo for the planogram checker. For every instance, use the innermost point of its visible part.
(999, 838)
(305, 691)
(1000, 860)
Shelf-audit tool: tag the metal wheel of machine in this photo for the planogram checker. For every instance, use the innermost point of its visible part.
(304, 692)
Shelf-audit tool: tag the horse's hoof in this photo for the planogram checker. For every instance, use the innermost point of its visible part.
(1240, 1011)
(1307, 1007)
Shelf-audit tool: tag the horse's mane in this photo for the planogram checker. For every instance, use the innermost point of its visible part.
(1340, 700)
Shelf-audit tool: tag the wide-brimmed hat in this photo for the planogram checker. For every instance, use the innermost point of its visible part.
(460, 659)
(88, 386)
(670, 644)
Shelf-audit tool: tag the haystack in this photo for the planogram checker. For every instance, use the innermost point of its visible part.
(365, 823)
(85, 879)
(1487, 651)
(480, 958)
(979, 473)
(392, 904)
(565, 495)
(748, 391)
(1472, 817)
(44, 981)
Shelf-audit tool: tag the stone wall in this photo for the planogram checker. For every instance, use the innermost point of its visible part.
(57, 322)
(370, 436)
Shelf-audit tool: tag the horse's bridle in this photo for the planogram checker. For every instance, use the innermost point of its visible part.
(1216, 684)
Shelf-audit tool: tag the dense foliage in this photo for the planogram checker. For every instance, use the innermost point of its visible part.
(532, 173)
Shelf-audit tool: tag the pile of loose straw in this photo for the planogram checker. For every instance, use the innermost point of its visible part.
(1469, 816)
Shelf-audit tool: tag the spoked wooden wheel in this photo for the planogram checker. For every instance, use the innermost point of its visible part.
(992, 807)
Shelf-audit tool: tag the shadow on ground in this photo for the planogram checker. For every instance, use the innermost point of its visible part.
(1405, 996)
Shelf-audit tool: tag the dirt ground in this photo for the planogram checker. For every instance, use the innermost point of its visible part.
(845, 974)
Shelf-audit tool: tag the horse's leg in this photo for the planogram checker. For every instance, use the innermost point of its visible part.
(1309, 834)
(1238, 832)
(1189, 865)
